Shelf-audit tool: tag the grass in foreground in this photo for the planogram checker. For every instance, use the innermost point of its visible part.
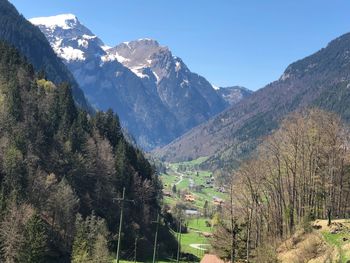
(337, 240)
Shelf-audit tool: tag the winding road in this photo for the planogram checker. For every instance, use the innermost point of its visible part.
(199, 246)
(181, 177)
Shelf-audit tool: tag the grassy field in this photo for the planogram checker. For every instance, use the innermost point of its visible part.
(199, 225)
(192, 238)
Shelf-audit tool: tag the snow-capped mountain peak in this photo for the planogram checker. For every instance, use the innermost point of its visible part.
(137, 55)
(64, 21)
(71, 40)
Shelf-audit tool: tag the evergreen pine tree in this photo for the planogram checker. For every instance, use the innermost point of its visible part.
(35, 241)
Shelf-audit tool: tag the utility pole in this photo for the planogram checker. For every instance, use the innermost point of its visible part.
(135, 259)
(179, 243)
(121, 220)
(120, 223)
(155, 239)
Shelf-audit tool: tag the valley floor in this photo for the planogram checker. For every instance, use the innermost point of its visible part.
(186, 184)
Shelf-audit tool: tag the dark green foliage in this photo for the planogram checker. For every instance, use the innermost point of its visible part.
(108, 126)
(66, 110)
(35, 241)
(61, 161)
(14, 101)
(13, 167)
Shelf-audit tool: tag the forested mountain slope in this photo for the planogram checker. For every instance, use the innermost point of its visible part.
(28, 39)
(61, 172)
(321, 79)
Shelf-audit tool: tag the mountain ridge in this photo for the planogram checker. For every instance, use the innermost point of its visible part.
(319, 80)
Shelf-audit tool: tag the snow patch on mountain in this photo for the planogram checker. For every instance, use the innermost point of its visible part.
(69, 53)
(83, 43)
(215, 87)
(156, 75)
(184, 83)
(139, 72)
(56, 44)
(88, 37)
(177, 66)
(113, 56)
(105, 47)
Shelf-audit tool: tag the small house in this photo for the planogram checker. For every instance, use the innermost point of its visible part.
(189, 198)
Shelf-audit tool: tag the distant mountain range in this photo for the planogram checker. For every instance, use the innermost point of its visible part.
(320, 80)
(154, 93)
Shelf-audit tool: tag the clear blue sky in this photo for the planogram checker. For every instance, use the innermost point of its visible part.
(246, 42)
